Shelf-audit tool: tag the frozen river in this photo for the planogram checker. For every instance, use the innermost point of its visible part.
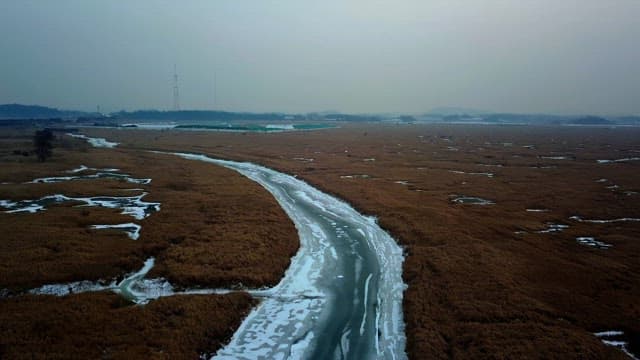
(341, 297)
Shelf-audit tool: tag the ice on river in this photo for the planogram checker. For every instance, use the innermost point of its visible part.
(284, 323)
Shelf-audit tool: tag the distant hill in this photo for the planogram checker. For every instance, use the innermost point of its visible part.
(195, 115)
(591, 120)
(18, 111)
(449, 110)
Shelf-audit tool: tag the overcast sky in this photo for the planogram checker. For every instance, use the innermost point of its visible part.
(362, 56)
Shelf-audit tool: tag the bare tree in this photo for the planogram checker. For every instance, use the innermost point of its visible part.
(42, 142)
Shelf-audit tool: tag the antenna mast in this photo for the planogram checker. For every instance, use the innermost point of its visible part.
(215, 91)
(176, 92)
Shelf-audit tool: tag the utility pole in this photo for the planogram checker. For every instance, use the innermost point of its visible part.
(176, 92)
(215, 91)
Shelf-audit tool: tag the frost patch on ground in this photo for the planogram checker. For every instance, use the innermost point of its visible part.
(101, 174)
(490, 175)
(471, 200)
(553, 228)
(130, 205)
(537, 210)
(616, 339)
(597, 221)
(82, 168)
(554, 157)
(95, 142)
(134, 287)
(359, 176)
(591, 241)
(280, 126)
(132, 230)
(618, 160)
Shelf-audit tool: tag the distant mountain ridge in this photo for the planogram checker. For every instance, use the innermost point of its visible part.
(19, 111)
(449, 110)
(195, 115)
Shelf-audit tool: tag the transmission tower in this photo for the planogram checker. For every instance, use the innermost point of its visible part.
(176, 92)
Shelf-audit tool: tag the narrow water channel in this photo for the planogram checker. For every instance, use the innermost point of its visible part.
(341, 298)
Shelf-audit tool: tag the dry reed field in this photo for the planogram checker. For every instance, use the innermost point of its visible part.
(215, 228)
(486, 281)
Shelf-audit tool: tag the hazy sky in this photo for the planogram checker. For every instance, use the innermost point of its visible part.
(553, 56)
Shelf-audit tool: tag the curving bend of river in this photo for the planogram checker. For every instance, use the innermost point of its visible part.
(341, 297)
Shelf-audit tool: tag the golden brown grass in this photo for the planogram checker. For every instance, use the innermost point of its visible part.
(105, 326)
(215, 228)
